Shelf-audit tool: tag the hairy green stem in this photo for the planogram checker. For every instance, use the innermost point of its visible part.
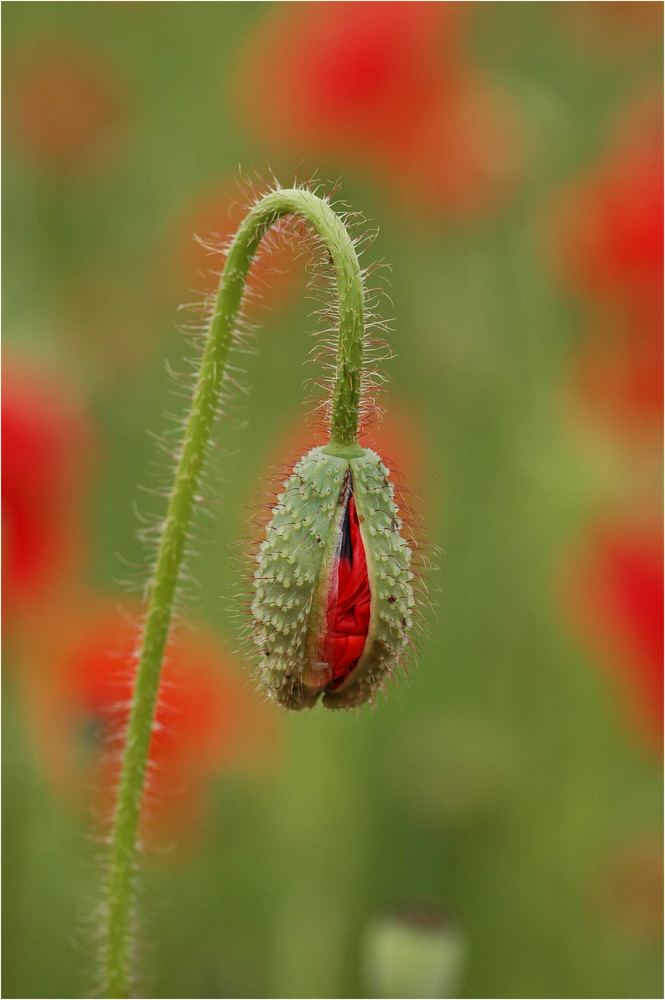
(344, 426)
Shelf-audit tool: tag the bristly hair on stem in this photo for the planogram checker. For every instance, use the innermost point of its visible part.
(213, 372)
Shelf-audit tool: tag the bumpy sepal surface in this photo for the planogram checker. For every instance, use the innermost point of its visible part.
(293, 575)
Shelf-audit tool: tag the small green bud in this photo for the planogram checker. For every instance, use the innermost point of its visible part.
(413, 954)
(333, 596)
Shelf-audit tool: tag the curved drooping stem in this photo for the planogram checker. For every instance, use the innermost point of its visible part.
(343, 431)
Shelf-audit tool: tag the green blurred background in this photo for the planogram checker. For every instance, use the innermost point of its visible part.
(513, 781)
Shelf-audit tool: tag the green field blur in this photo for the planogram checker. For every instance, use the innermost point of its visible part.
(508, 782)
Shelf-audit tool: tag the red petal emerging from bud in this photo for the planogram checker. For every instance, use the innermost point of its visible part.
(348, 611)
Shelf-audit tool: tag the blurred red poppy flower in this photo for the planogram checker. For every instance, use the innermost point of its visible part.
(208, 224)
(386, 85)
(614, 596)
(63, 106)
(345, 74)
(610, 220)
(47, 448)
(208, 719)
(469, 154)
(618, 378)
(609, 226)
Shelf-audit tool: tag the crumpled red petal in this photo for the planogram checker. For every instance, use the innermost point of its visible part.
(348, 609)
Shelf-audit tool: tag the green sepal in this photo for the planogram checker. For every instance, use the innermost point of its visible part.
(293, 577)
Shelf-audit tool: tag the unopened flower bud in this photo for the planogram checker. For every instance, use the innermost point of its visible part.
(413, 953)
(334, 601)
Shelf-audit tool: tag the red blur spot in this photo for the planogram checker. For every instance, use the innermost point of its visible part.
(64, 106)
(207, 720)
(387, 86)
(617, 379)
(47, 451)
(609, 248)
(614, 595)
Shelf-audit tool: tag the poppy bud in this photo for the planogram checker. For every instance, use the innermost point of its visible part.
(414, 953)
(334, 599)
